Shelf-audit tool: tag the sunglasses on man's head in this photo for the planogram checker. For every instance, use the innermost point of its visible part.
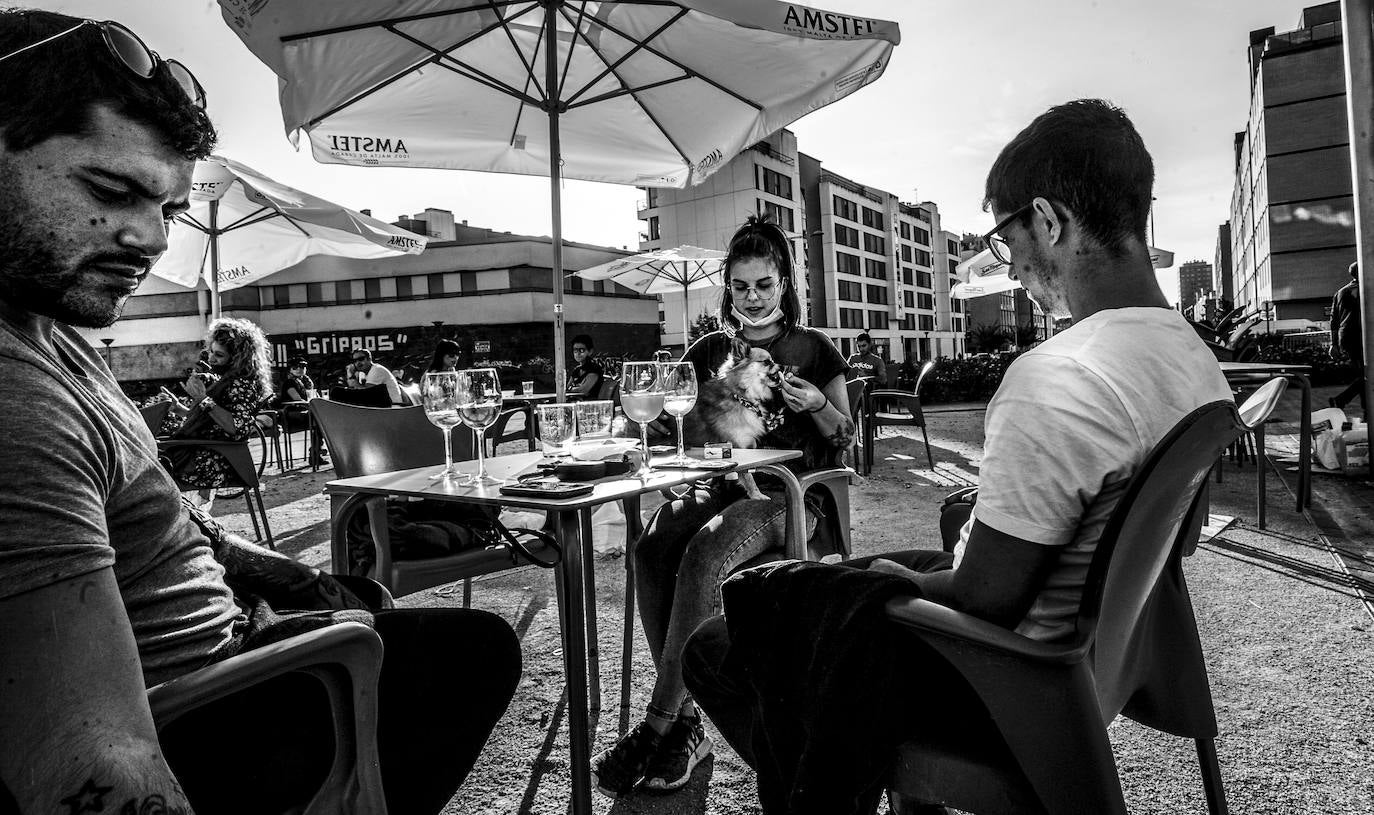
(131, 51)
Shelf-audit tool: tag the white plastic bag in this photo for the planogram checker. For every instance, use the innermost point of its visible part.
(608, 530)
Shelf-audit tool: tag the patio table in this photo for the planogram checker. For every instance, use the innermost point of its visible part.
(1242, 372)
(575, 575)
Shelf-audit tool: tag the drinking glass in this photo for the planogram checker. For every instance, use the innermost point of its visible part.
(679, 396)
(479, 404)
(527, 387)
(641, 396)
(594, 419)
(557, 427)
(440, 396)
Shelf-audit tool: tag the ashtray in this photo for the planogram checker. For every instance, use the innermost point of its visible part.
(587, 470)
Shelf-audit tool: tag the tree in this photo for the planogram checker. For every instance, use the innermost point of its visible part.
(1026, 335)
(981, 338)
(704, 324)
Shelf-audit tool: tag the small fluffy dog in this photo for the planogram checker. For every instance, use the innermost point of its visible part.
(741, 404)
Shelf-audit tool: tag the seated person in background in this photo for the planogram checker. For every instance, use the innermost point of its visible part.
(362, 372)
(1070, 425)
(226, 409)
(866, 365)
(446, 355)
(584, 381)
(299, 387)
(108, 584)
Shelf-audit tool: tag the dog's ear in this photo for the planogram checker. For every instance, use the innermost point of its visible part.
(739, 349)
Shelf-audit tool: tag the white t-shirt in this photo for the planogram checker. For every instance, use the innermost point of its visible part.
(381, 375)
(1071, 423)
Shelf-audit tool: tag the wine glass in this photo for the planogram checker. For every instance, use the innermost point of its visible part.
(641, 396)
(440, 396)
(680, 395)
(479, 392)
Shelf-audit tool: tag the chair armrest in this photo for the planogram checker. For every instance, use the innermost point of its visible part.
(351, 645)
(830, 478)
(925, 617)
(238, 455)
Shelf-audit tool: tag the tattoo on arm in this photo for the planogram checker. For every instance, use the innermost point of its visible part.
(843, 435)
(91, 798)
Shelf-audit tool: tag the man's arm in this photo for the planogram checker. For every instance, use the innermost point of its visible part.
(1336, 324)
(589, 384)
(997, 580)
(79, 736)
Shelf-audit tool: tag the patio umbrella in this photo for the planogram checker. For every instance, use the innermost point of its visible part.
(662, 271)
(656, 93)
(984, 274)
(243, 226)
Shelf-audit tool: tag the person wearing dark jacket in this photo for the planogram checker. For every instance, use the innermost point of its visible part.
(1346, 336)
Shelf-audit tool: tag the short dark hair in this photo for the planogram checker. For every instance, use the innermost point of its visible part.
(366, 353)
(53, 89)
(297, 362)
(1354, 268)
(584, 339)
(1086, 156)
(760, 237)
(863, 338)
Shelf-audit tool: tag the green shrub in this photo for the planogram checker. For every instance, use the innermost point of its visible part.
(971, 379)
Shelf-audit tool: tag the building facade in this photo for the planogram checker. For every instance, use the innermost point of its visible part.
(1292, 208)
(1223, 277)
(492, 292)
(866, 261)
(1194, 283)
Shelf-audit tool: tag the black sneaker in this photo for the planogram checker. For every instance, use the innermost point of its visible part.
(619, 769)
(682, 749)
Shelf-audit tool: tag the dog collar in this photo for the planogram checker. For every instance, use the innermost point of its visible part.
(771, 420)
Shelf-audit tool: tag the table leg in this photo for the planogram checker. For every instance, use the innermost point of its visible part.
(634, 527)
(796, 510)
(310, 439)
(575, 662)
(1304, 443)
(1260, 465)
(589, 598)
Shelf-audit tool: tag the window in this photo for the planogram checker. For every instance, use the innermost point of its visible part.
(925, 301)
(436, 285)
(953, 266)
(875, 244)
(906, 276)
(921, 236)
(403, 288)
(875, 268)
(877, 319)
(877, 295)
(925, 280)
(956, 305)
(775, 183)
(846, 209)
(851, 318)
(653, 227)
(909, 299)
(904, 229)
(847, 263)
(851, 291)
(343, 291)
(922, 215)
(925, 322)
(922, 257)
(952, 247)
(908, 322)
(873, 219)
(906, 254)
(781, 215)
(846, 236)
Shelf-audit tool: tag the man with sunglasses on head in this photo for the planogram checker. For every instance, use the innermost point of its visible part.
(1070, 425)
(108, 582)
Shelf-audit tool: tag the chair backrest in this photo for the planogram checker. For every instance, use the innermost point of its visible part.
(1147, 525)
(854, 389)
(410, 394)
(368, 440)
(926, 368)
(1262, 402)
(154, 414)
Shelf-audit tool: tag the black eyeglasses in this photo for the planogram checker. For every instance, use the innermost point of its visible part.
(136, 56)
(996, 244)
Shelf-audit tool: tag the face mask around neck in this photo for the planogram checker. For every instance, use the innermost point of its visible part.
(762, 322)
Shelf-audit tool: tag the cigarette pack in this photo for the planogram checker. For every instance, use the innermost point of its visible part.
(720, 449)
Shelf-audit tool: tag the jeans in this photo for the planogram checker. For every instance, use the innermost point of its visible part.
(689, 547)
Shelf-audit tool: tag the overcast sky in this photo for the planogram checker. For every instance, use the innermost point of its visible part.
(967, 76)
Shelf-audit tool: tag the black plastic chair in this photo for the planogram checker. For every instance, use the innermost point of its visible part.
(876, 417)
(1043, 707)
(243, 474)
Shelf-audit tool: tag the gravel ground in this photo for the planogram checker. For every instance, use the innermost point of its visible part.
(1288, 647)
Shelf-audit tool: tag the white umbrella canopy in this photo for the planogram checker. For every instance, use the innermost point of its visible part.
(663, 271)
(657, 93)
(984, 274)
(243, 226)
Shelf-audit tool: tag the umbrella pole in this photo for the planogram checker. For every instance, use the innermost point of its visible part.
(1359, 66)
(214, 259)
(685, 341)
(560, 363)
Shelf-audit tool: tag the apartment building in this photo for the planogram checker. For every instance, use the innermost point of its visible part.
(1194, 283)
(1292, 209)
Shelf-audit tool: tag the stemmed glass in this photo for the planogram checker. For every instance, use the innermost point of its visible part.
(440, 396)
(680, 395)
(479, 392)
(641, 396)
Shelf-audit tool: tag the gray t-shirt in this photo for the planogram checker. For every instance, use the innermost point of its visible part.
(81, 489)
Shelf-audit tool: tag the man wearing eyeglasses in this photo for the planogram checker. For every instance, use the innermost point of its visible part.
(1071, 423)
(108, 584)
(362, 372)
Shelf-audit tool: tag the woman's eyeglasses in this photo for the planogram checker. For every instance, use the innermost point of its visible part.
(136, 56)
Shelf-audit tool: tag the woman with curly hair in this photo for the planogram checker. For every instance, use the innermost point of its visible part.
(224, 403)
